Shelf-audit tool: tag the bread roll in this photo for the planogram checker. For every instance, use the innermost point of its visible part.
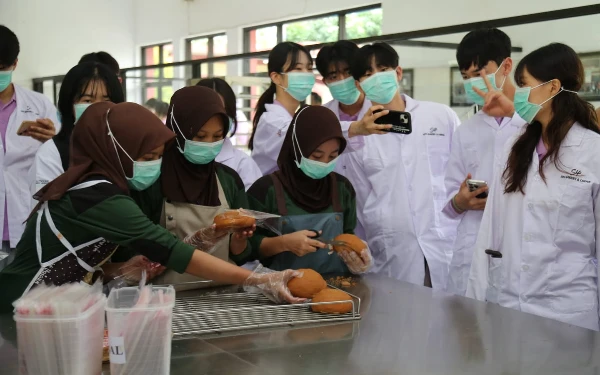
(332, 295)
(352, 243)
(306, 286)
(233, 220)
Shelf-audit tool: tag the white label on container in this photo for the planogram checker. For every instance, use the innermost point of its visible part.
(117, 350)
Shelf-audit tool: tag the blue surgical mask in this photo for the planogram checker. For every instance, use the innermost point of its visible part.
(312, 168)
(344, 91)
(300, 85)
(480, 84)
(145, 173)
(527, 110)
(79, 109)
(5, 79)
(381, 87)
(197, 152)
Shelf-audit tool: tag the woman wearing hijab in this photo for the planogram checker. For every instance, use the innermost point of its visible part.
(195, 187)
(84, 214)
(313, 200)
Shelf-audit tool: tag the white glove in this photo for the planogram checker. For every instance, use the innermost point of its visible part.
(272, 284)
(357, 264)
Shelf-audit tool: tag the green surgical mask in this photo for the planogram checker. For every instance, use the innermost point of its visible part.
(5, 79)
(197, 152)
(145, 173)
(79, 108)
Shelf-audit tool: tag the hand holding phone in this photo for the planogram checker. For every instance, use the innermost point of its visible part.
(25, 125)
(472, 195)
(476, 184)
(401, 121)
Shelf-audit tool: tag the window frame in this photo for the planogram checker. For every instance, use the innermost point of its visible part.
(160, 80)
(197, 71)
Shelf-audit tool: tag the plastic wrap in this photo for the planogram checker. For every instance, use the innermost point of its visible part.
(272, 284)
(260, 219)
(357, 263)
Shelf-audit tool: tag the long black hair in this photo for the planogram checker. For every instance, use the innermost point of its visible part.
(554, 61)
(278, 59)
(228, 96)
(73, 86)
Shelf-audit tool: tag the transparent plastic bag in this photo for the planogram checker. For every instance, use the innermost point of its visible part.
(261, 219)
(272, 284)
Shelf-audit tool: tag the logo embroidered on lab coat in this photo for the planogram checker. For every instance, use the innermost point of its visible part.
(575, 175)
(433, 131)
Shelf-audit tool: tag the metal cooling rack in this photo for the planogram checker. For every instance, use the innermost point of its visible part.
(215, 313)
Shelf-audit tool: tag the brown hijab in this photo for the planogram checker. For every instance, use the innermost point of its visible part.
(93, 152)
(313, 125)
(183, 181)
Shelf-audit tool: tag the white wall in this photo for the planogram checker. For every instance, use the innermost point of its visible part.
(54, 34)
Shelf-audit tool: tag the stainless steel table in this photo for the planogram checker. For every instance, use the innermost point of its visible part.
(406, 329)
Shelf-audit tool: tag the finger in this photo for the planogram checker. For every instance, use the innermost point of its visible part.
(46, 123)
(381, 128)
(379, 114)
(354, 258)
(373, 109)
(41, 131)
(481, 190)
(488, 84)
(318, 244)
(40, 138)
(479, 92)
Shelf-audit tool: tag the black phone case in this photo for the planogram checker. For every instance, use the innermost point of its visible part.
(401, 122)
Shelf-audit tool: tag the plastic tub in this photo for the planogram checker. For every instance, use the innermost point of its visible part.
(62, 346)
(139, 334)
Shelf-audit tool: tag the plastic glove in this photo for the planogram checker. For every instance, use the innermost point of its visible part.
(272, 284)
(357, 264)
(206, 239)
(132, 270)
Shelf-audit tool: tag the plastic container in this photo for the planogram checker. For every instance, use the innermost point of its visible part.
(70, 345)
(139, 330)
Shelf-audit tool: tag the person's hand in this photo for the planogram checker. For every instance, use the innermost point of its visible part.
(272, 285)
(302, 242)
(367, 125)
(43, 131)
(206, 238)
(239, 240)
(357, 264)
(496, 103)
(131, 271)
(467, 200)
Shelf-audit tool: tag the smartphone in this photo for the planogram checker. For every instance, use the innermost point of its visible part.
(25, 125)
(400, 121)
(476, 184)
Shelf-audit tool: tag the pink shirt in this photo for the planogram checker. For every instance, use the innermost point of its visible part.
(346, 117)
(6, 110)
(541, 149)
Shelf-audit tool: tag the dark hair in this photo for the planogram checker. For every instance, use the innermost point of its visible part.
(554, 61)
(103, 58)
(481, 46)
(9, 47)
(228, 96)
(383, 53)
(337, 54)
(73, 86)
(314, 97)
(151, 103)
(278, 57)
(161, 109)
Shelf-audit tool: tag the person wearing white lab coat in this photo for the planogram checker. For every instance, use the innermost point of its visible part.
(292, 80)
(83, 85)
(477, 143)
(537, 249)
(231, 156)
(399, 179)
(17, 105)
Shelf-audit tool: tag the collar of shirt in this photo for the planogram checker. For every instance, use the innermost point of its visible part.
(12, 100)
(346, 117)
(499, 120)
(541, 149)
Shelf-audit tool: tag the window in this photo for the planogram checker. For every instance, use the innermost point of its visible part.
(157, 83)
(208, 46)
(347, 24)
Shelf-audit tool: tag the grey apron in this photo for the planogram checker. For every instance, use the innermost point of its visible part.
(332, 225)
(183, 219)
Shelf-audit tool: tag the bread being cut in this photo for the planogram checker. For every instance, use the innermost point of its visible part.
(352, 243)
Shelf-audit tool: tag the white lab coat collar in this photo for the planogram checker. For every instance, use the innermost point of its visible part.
(410, 103)
(491, 121)
(334, 105)
(278, 110)
(227, 152)
(574, 136)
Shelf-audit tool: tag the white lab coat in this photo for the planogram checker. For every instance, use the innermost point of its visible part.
(239, 161)
(46, 167)
(547, 237)
(270, 133)
(400, 192)
(17, 156)
(341, 165)
(476, 145)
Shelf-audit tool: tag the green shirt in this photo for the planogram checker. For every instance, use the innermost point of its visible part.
(101, 210)
(261, 197)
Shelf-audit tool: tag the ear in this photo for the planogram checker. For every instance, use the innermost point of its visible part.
(276, 78)
(556, 85)
(507, 66)
(399, 73)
